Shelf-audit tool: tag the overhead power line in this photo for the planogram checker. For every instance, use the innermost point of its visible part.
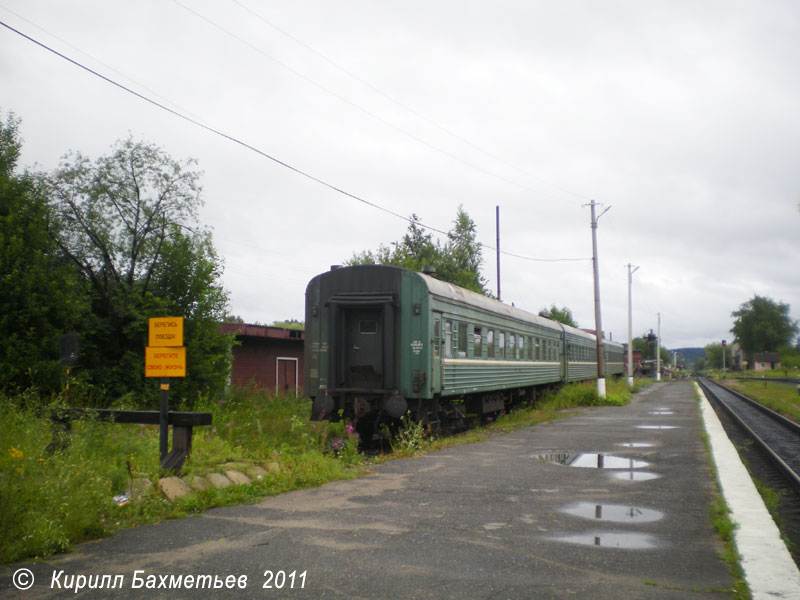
(402, 105)
(97, 60)
(255, 149)
(367, 112)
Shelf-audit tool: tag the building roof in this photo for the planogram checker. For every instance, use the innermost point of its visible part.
(261, 331)
(771, 357)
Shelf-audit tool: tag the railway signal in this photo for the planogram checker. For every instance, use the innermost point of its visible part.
(724, 343)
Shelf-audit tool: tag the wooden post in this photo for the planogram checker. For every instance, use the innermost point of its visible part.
(163, 441)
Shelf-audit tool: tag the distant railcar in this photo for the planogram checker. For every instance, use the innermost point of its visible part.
(382, 341)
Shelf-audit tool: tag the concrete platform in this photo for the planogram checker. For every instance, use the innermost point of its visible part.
(489, 520)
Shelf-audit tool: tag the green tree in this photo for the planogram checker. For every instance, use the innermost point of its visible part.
(40, 296)
(562, 315)
(129, 225)
(461, 257)
(763, 325)
(457, 261)
(186, 283)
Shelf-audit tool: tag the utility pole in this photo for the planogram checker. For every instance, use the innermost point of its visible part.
(631, 271)
(601, 363)
(658, 350)
(497, 220)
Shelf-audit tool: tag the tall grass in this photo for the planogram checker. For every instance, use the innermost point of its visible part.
(782, 397)
(49, 502)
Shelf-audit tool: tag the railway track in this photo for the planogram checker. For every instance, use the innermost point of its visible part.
(777, 436)
(770, 446)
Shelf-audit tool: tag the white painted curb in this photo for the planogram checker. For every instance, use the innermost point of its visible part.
(768, 567)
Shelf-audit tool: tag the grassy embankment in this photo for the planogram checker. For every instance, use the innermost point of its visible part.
(781, 397)
(50, 502)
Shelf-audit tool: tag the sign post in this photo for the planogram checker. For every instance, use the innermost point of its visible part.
(165, 357)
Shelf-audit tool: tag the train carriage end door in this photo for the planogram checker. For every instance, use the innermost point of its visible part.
(364, 348)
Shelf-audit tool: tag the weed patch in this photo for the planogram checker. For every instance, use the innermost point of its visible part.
(50, 502)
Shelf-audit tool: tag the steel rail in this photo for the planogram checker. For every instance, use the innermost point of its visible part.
(787, 425)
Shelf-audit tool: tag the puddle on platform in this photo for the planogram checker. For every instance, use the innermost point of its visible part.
(589, 460)
(636, 444)
(635, 476)
(656, 427)
(612, 539)
(615, 513)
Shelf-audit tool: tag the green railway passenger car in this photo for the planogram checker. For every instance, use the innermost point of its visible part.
(382, 341)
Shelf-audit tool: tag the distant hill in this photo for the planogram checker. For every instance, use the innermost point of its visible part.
(690, 354)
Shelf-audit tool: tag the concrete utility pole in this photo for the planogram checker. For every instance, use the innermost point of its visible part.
(601, 363)
(631, 271)
(658, 350)
(497, 218)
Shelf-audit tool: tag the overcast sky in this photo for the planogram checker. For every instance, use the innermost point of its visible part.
(682, 116)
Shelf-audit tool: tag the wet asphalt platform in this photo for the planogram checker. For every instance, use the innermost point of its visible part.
(612, 502)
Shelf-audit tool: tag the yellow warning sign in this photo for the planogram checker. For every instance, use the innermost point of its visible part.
(166, 332)
(165, 362)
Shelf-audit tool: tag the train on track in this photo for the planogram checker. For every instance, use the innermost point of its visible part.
(383, 341)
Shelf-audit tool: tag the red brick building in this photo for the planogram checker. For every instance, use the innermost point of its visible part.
(267, 357)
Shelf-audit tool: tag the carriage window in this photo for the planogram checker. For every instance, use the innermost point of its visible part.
(521, 347)
(437, 329)
(537, 355)
(490, 343)
(477, 342)
(448, 338)
(501, 344)
(368, 327)
(512, 346)
(462, 340)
